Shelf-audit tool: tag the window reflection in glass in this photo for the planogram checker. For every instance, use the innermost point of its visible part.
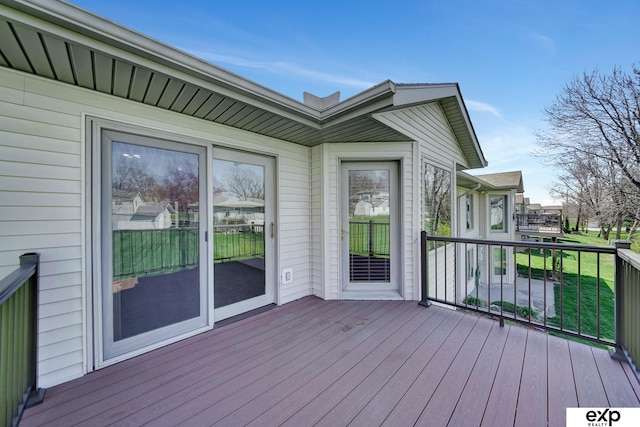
(437, 201)
(498, 213)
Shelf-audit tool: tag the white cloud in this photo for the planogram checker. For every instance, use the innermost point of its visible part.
(285, 68)
(542, 40)
(482, 107)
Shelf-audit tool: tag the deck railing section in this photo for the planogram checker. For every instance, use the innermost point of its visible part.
(587, 292)
(148, 252)
(569, 289)
(539, 223)
(369, 238)
(237, 242)
(18, 341)
(628, 308)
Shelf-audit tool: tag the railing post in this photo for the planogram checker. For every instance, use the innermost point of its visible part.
(423, 269)
(618, 352)
(36, 395)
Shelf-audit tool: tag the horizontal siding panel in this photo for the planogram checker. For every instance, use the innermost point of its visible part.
(71, 320)
(15, 198)
(10, 257)
(39, 185)
(61, 334)
(59, 294)
(27, 242)
(26, 127)
(42, 143)
(47, 171)
(70, 346)
(63, 280)
(11, 95)
(38, 115)
(30, 156)
(49, 363)
(52, 310)
(61, 375)
(17, 228)
(56, 268)
(40, 213)
(13, 80)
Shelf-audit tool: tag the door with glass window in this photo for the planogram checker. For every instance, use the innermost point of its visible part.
(152, 234)
(243, 232)
(369, 230)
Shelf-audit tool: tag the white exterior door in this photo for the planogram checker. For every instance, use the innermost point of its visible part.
(369, 230)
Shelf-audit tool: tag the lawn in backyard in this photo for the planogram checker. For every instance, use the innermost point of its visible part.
(584, 288)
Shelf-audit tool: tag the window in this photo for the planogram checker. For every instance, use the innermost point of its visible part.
(498, 206)
(471, 265)
(469, 211)
(437, 200)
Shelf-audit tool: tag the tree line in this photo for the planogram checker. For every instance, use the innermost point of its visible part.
(593, 138)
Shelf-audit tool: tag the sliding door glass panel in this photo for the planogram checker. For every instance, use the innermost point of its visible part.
(238, 231)
(153, 287)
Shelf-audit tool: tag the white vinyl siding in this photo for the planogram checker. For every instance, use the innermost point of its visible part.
(370, 152)
(42, 201)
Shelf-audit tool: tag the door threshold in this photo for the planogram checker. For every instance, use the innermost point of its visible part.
(372, 295)
(244, 315)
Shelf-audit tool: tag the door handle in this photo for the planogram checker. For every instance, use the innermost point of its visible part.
(342, 233)
(273, 230)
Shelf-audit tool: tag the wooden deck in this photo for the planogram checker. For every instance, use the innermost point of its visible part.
(361, 363)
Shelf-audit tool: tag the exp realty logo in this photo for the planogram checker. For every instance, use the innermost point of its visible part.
(603, 417)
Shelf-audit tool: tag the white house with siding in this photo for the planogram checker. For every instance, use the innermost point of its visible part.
(86, 103)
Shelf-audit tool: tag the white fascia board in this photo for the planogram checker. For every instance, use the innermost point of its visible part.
(77, 25)
(413, 94)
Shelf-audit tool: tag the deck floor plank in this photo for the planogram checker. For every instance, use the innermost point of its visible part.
(475, 395)
(250, 384)
(618, 393)
(503, 398)
(562, 386)
(336, 363)
(589, 385)
(352, 404)
(328, 389)
(531, 409)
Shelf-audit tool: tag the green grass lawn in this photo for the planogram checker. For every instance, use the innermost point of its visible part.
(585, 289)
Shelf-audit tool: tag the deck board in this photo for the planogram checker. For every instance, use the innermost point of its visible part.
(335, 363)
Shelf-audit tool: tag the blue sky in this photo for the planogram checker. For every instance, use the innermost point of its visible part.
(510, 57)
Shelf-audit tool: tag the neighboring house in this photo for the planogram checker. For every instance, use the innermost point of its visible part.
(487, 204)
(131, 212)
(80, 94)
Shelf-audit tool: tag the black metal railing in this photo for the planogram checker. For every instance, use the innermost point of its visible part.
(237, 242)
(586, 292)
(569, 289)
(538, 223)
(628, 306)
(18, 341)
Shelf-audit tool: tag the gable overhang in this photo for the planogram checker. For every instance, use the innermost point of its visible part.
(60, 41)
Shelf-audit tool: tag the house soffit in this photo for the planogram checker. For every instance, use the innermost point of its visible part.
(62, 42)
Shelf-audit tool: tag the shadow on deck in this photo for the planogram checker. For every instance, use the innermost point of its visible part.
(333, 363)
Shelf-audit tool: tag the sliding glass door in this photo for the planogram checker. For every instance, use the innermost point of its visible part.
(152, 241)
(243, 231)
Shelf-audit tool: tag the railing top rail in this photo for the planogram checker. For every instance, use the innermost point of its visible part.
(631, 257)
(528, 244)
(127, 230)
(10, 284)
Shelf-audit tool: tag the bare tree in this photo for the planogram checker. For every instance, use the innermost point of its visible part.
(593, 135)
(598, 115)
(244, 183)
